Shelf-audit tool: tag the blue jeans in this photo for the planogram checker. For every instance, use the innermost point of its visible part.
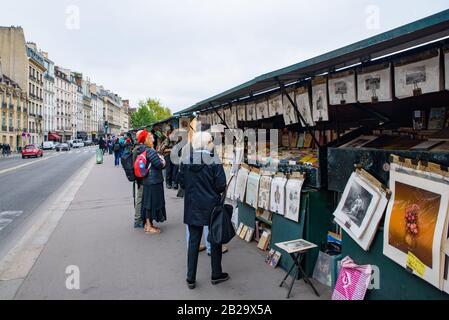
(205, 235)
(117, 158)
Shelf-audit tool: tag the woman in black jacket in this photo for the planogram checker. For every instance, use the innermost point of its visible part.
(203, 179)
(153, 199)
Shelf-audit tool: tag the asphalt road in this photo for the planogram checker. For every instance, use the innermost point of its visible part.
(26, 183)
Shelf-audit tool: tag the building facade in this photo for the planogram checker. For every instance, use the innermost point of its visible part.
(13, 113)
(49, 100)
(36, 70)
(64, 101)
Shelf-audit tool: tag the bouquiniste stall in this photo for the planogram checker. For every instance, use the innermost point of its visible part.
(362, 164)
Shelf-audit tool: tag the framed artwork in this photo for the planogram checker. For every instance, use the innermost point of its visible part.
(264, 192)
(415, 222)
(277, 195)
(240, 187)
(342, 88)
(357, 206)
(320, 108)
(241, 112)
(276, 106)
(275, 258)
(227, 169)
(251, 112)
(293, 198)
(249, 235)
(234, 117)
(290, 116)
(228, 116)
(302, 99)
(262, 110)
(415, 77)
(367, 237)
(252, 189)
(296, 246)
(269, 256)
(374, 84)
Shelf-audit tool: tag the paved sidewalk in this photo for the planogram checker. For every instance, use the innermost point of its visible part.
(119, 262)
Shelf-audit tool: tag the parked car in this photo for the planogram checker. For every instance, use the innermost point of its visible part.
(88, 143)
(77, 143)
(32, 150)
(63, 147)
(48, 145)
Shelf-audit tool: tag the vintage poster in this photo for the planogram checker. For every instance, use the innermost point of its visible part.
(252, 189)
(374, 84)
(342, 88)
(293, 198)
(277, 195)
(415, 223)
(320, 108)
(418, 77)
(290, 116)
(357, 205)
(264, 192)
(302, 99)
(275, 105)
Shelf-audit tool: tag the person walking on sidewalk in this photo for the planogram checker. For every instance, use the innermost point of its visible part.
(153, 199)
(203, 182)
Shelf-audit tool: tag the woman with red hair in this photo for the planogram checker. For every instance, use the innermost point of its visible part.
(153, 199)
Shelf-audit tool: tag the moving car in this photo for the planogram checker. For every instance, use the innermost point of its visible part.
(32, 150)
(63, 147)
(48, 145)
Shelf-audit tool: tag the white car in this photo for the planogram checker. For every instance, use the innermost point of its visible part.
(78, 143)
(48, 145)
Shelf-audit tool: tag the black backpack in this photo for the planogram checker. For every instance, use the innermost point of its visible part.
(117, 147)
(128, 166)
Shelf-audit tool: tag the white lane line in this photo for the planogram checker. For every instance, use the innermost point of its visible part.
(27, 164)
(6, 217)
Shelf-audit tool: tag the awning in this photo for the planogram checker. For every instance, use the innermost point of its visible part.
(53, 136)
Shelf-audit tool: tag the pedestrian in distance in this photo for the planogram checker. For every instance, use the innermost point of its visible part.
(204, 180)
(117, 153)
(153, 198)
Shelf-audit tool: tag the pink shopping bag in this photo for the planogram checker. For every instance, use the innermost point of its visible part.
(353, 281)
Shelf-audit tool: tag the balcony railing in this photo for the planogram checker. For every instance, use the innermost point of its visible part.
(4, 128)
(11, 129)
(4, 105)
(11, 106)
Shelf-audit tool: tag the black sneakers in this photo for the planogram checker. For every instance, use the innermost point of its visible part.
(224, 277)
(191, 284)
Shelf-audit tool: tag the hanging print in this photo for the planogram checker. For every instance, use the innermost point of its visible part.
(303, 103)
(241, 112)
(290, 116)
(275, 105)
(342, 88)
(277, 195)
(262, 110)
(418, 75)
(293, 198)
(374, 84)
(240, 186)
(252, 189)
(320, 110)
(264, 192)
(251, 112)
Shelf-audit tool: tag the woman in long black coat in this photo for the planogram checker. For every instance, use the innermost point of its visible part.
(203, 179)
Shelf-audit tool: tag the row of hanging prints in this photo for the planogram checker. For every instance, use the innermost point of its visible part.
(413, 75)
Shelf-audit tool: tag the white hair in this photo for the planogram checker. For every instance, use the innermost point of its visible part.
(201, 141)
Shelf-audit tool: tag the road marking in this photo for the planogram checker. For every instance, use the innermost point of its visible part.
(19, 261)
(6, 217)
(27, 164)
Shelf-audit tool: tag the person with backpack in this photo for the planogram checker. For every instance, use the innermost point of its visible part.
(148, 166)
(117, 152)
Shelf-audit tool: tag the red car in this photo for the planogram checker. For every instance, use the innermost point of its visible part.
(32, 151)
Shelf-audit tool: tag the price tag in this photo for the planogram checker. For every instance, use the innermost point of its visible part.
(415, 264)
(292, 163)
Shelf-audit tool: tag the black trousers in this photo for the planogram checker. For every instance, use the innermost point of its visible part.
(192, 255)
(171, 172)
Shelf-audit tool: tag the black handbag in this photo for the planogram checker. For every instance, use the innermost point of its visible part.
(221, 229)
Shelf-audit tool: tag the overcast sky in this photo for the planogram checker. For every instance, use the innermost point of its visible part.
(184, 51)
